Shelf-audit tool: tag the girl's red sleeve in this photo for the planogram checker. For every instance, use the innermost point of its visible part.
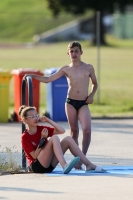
(50, 131)
(27, 145)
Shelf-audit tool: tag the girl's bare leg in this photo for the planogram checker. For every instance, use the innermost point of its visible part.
(52, 149)
(69, 143)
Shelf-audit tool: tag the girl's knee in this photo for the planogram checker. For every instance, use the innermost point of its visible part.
(67, 139)
(54, 137)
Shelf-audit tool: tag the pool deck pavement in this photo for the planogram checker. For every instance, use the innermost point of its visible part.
(111, 145)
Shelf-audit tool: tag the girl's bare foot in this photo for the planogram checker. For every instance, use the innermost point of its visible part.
(90, 167)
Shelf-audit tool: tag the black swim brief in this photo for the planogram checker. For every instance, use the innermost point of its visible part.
(77, 104)
(36, 167)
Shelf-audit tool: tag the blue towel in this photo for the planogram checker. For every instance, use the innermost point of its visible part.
(111, 170)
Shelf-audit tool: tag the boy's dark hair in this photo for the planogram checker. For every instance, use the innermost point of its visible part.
(75, 44)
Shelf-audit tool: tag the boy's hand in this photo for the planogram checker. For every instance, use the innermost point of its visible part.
(25, 76)
(44, 133)
(89, 99)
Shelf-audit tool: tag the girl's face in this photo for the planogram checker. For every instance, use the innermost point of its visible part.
(32, 118)
(74, 53)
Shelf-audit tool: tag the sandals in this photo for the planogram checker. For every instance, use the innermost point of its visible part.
(97, 170)
(70, 165)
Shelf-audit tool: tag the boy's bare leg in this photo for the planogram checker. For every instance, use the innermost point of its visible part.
(85, 120)
(72, 117)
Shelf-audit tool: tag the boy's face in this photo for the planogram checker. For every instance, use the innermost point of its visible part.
(74, 53)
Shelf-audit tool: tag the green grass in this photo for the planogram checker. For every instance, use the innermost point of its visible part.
(21, 20)
(115, 83)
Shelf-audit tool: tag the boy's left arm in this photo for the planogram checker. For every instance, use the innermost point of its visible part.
(94, 86)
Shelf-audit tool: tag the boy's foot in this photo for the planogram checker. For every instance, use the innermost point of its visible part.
(70, 165)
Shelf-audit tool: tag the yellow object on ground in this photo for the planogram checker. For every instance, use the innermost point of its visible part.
(5, 77)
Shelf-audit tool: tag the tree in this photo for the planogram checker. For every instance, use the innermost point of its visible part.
(80, 6)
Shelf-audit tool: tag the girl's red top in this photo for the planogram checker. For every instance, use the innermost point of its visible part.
(30, 142)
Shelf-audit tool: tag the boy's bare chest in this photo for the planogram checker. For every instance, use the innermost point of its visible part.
(78, 74)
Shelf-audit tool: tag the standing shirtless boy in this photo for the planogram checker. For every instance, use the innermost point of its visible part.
(78, 74)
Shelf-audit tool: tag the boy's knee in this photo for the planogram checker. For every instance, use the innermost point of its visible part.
(74, 130)
(74, 133)
(87, 136)
(87, 131)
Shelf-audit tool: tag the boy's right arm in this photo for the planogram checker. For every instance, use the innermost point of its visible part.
(37, 77)
(45, 79)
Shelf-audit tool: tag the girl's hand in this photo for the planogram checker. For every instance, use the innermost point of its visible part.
(44, 133)
(43, 119)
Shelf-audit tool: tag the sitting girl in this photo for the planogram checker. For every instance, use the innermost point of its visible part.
(44, 154)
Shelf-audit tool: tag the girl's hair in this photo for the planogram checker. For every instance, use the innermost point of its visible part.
(75, 44)
(24, 109)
